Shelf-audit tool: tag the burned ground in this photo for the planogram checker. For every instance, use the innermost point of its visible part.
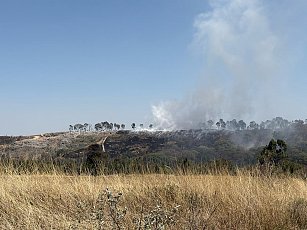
(239, 147)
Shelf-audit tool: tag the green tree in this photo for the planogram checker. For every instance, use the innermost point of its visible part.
(274, 153)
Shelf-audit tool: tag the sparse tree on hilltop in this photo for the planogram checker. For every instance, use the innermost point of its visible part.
(78, 127)
(298, 123)
(98, 127)
(106, 125)
(232, 125)
(85, 126)
(242, 125)
(223, 124)
(253, 125)
(210, 124)
(116, 126)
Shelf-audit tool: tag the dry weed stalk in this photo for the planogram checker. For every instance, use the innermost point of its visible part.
(153, 201)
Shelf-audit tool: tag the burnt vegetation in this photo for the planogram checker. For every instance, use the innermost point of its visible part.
(276, 144)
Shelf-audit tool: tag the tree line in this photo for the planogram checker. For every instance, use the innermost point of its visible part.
(274, 124)
(233, 125)
(103, 126)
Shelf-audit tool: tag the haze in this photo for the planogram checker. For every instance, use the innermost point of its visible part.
(175, 63)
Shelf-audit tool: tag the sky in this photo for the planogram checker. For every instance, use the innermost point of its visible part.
(77, 61)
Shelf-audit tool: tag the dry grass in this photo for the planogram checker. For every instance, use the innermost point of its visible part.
(206, 202)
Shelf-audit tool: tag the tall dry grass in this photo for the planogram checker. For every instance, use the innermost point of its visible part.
(243, 201)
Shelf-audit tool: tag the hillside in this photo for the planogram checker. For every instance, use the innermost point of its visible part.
(239, 147)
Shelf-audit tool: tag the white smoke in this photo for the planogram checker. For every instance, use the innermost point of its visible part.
(242, 64)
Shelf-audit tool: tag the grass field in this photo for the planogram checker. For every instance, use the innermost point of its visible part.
(152, 201)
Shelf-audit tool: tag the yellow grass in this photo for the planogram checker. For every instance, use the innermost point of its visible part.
(206, 201)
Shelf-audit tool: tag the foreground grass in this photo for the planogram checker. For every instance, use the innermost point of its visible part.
(152, 202)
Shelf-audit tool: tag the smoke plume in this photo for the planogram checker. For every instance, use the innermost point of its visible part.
(243, 67)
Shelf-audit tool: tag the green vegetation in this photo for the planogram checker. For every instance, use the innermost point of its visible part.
(274, 153)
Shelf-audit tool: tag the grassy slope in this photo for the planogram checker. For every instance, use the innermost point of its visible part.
(206, 201)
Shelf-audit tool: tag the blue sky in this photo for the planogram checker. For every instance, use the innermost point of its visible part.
(64, 62)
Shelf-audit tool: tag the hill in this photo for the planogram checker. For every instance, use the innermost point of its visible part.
(157, 147)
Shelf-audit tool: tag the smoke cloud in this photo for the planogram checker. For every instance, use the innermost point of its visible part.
(243, 67)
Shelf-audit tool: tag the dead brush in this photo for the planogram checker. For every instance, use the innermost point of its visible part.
(242, 201)
(104, 213)
(196, 205)
(107, 213)
(158, 218)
